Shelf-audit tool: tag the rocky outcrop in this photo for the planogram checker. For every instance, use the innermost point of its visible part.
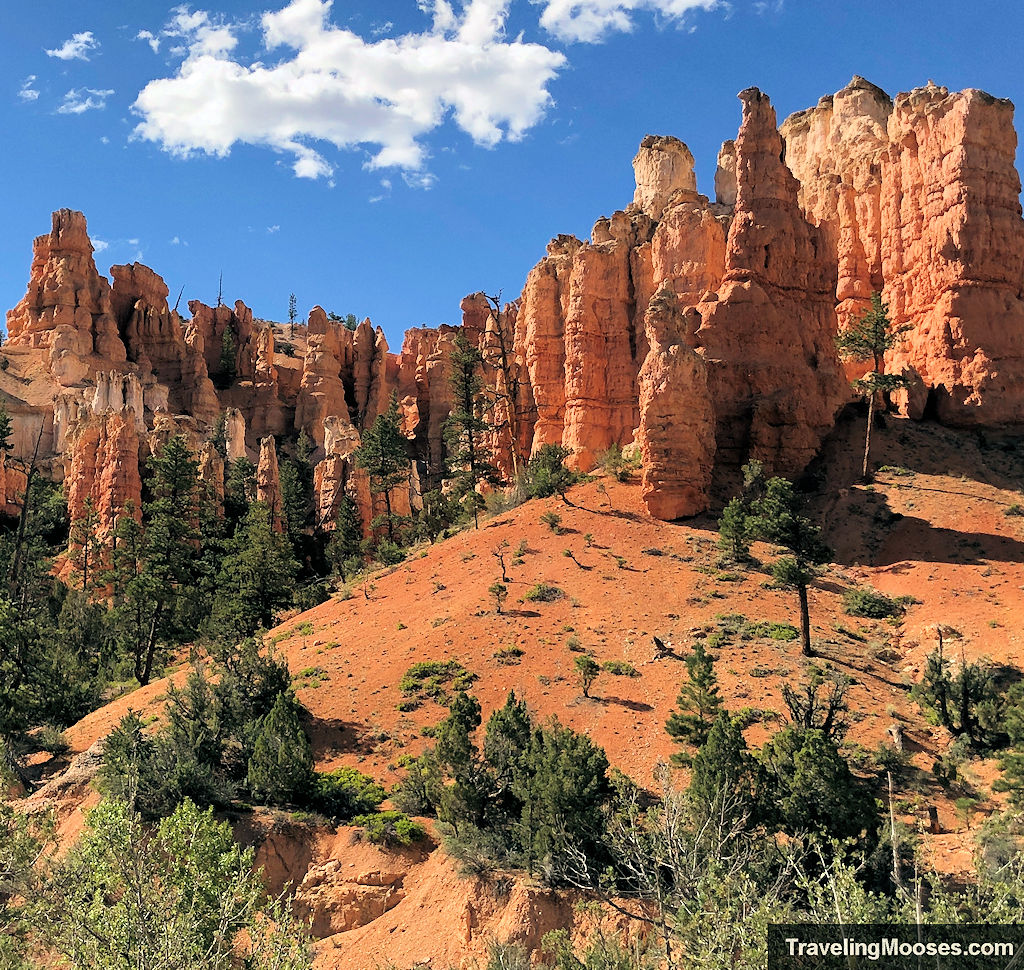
(268, 483)
(104, 470)
(67, 308)
(677, 422)
(953, 252)
(699, 331)
(662, 166)
(836, 151)
(768, 333)
(155, 341)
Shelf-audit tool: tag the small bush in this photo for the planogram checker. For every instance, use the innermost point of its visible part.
(1015, 509)
(553, 521)
(543, 593)
(773, 631)
(346, 792)
(389, 553)
(870, 603)
(620, 668)
(390, 828)
(508, 656)
(429, 678)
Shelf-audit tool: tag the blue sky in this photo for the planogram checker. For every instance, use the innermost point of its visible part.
(386, 158)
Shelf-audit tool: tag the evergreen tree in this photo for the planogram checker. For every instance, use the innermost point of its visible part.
(281, 766)
(256, 577)
(699, 701)
(455, 749)
(547, 474)
(228, 358)
(239, 491)
(293, 313)
(563, 794)
(155, 568)
(6, 429)
(723, 783)
(777, 517)
(466, 429)
(868, 339)
(1012, 762)
(344, 548)
(384, 456)
(507, 740)
(811, 787)
(85, 548)
(588, 669)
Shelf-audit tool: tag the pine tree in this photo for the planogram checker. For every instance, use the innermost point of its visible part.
(255, 579)
(507, 740)
(777, 517)
(155, 568)
(6, 429)
(723, 780)
(868, 340)
(85, 547)
(384, 456)
(228, 357)
(587, 668)
(281, 766)
(293, 314)
(699, 701)
(239, 491)
(466, 429)
(344, 548)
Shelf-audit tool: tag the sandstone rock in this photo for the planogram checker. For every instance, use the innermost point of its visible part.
(725, 175)
(155, 340)
(541, 321)
(67, 308)
(268, 483)
(953, 251)
(662, 165)
(773, 374)
(104, 468)
(836, 151)
(677, 421)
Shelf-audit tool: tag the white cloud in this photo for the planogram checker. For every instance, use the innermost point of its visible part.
(79, 100)
(27, 92)
(272, 229)
(99, 245)
(332, 86)
(78, 47)
(589, 21)
(150, 38)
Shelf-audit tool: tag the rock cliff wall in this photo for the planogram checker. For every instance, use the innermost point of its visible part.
(700, 330)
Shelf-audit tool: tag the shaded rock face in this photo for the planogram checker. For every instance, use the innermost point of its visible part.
(919, 200)
(768, 333)
(953, 251)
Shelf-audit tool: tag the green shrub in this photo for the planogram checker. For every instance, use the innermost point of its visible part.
(509, 655)
(390, 828)
(345, 792)
(553, 521)
(870, 603)
(620, 668)
(431, 679)
(1015, 509)
(543, 593)
(390, 553)
(773, 631)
